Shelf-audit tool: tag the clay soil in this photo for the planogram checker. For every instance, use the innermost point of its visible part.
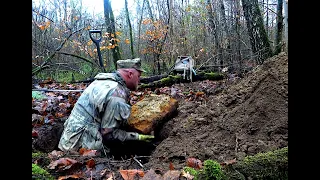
(227, 119)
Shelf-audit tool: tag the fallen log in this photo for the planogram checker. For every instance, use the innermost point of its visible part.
(147, 80)
(174, 79)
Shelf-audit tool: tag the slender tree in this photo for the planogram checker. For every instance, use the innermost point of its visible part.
(285, 7)
(109, 19)
(278, 36)
(238, 42)
(225, 34)
(258, 37)
(213, 26)
(139, 25)
(130, 28)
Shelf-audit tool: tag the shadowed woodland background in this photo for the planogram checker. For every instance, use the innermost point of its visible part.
(216, 33)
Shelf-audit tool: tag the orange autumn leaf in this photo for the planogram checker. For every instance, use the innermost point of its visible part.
(130, 173)
(118, 33)
(171, 167)
(90, 163)
(87, 152)
(127, 41)
(44, 26)
(194, 163)
(59, 115)
(199, 94)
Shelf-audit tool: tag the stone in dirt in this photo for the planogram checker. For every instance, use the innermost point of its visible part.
(152, 111)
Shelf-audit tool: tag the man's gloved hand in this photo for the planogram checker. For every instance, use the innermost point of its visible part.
(147, 138)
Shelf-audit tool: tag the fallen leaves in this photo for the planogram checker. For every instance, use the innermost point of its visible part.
(131, 173)
(73, 176)
(62, 164)
(170, 174)
(56, 154)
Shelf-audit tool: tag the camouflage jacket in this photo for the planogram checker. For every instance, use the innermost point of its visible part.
(102, 107)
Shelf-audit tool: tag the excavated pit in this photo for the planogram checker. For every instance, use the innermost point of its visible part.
(129, 149)
(148, 117)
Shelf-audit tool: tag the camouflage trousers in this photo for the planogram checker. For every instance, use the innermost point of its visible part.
(80, 134)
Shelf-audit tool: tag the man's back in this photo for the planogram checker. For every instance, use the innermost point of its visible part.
(88, 111)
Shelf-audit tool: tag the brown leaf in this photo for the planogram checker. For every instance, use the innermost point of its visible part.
(172, 174)
(87, 152)
(226, 163)
(130, 173)
(90, 163)
(199, 93)
(55, 154)
(171, 167)
(194, 163)
(61, 163)
(74, 176)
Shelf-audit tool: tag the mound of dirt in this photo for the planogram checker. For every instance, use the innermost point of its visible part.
(248, 116)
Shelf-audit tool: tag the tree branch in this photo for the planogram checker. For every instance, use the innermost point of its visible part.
(47, 60)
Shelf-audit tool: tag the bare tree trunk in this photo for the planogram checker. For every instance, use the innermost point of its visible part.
(161, 43)
(150, 11)
(285, 7)
(171, 30)
(213, 26)
(130, 28)
(109, 19)
(153, 46)
(225, 35)
(279, 26)
(139, 29)
(258, 37)
(267, 16)
(238, 43)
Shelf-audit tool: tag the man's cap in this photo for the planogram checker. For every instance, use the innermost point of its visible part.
(130, 63)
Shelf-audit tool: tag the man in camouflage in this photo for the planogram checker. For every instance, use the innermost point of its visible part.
(102, 110)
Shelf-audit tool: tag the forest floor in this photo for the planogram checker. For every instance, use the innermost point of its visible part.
(219, 120)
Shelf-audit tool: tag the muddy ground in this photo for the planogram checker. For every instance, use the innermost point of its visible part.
(232, 118)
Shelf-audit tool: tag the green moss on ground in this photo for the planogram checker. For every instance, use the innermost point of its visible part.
(269, 165)
(40, 173)
(272, 165)
(211, 170)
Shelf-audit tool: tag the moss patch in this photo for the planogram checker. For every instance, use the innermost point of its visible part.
(269, 165)
(210, 171)
(40, 173)
(272, 165)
